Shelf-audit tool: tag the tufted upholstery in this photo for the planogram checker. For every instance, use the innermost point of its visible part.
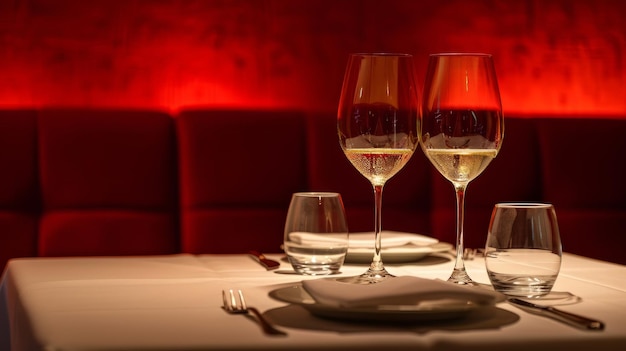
(136, 182)
(238, 169)
(108, 183)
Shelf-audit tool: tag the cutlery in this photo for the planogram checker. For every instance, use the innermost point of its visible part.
(235, 303)
(264, 261)
(566, 317)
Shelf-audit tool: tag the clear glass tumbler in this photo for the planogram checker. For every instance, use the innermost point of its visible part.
(523, 249)
(316, 233)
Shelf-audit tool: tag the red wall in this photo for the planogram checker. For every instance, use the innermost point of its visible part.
(551, 55)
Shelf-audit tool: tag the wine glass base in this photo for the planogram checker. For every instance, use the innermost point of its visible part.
(370, 277)
(460, 277)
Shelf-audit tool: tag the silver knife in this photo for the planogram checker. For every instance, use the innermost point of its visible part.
(264, 261)
(566, 317)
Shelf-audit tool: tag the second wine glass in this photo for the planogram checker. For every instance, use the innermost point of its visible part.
(461, 127)
(377, 125)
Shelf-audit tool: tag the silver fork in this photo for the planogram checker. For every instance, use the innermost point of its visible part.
(235, 303)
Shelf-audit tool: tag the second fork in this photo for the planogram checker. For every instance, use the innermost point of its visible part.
(236, 303)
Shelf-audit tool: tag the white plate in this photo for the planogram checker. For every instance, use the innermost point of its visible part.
(427, 311)
(399, 254)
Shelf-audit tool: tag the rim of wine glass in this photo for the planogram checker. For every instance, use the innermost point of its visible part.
(475, 54)
(317, 194)
(366, 54)
(524, 205)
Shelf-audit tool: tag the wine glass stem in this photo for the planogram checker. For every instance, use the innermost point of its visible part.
(377, 262)
(459, 274)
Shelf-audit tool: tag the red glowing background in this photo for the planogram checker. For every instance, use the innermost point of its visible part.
(552, 56)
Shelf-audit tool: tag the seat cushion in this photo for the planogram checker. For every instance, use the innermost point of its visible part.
(20, 203)
(107, 233)
(123, 159)
(236, 230)
(108, 182)
(238, 170)
(582, 162)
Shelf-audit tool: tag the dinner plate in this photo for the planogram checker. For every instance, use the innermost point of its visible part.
(425, 311)
(398, 254)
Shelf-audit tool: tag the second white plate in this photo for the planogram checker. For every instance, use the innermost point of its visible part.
(399, 254)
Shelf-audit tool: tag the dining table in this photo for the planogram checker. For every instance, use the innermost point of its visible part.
(175, 302)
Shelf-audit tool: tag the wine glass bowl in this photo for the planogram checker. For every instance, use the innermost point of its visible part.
(377, 125)
(461, 127)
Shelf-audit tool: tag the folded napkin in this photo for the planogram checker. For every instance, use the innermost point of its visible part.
(403, 290)
(390, 239)
(365, 240)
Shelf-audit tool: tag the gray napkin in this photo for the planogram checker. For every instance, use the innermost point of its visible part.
(404, 290)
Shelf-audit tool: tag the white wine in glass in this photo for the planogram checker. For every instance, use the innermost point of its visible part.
(377, 125)
(461, 127)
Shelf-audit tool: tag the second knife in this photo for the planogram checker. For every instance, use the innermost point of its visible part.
(264, 261)
(566, 317)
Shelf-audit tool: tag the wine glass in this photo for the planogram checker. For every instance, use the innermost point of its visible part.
(461, 127)
(377, 125)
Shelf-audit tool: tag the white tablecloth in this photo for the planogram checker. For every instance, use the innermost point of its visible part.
(174, 303)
